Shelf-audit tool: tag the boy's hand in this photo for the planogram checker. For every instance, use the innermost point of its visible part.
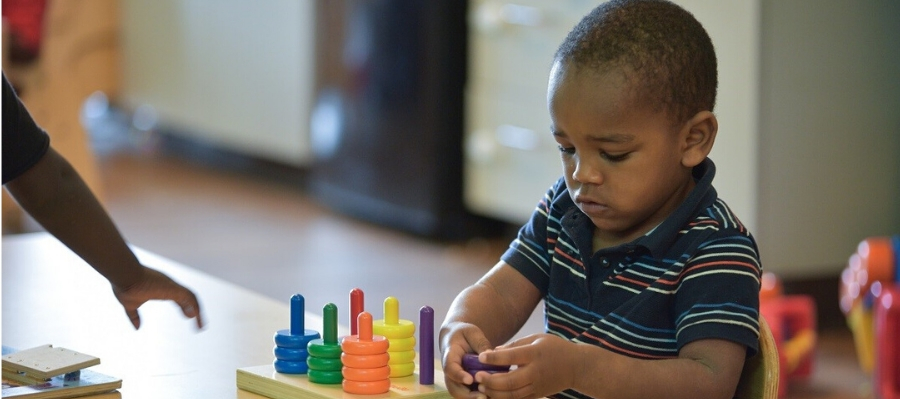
(461, 338)
(155, 285)
(547, 364)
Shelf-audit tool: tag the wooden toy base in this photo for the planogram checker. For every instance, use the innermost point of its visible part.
(264, 380)
(56, 388)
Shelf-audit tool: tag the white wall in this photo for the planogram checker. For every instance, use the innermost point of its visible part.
(235, 73)
(734, 29)
(829, 153)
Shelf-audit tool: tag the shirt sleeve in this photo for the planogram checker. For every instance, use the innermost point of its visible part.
(24, 142)
(719, 292)
(531, 251)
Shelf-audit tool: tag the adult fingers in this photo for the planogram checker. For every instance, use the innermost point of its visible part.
(134, 317)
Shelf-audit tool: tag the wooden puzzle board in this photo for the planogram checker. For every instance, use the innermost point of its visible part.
(57, 387)
(264, 380)
(46, 361)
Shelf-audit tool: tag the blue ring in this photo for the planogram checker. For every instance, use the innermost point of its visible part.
(284, 339)
(290, 355)
(290, 367)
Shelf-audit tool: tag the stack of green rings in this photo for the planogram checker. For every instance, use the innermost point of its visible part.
(324, 359)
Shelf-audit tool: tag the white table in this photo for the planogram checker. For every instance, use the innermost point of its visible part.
(50, 296)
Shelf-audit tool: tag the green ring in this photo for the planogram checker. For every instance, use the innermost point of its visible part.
(330, 351)
(324, 364)
(325, 377)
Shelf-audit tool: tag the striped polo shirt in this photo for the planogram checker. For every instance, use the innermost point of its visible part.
(695, 276)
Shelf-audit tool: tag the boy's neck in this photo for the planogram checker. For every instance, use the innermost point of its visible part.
(603, 240)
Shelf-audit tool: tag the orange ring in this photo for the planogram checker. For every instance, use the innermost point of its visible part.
(366, 387)
(365, 361)
(366, 375)
(352, 345)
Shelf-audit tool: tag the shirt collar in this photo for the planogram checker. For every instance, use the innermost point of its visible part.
(659, 240)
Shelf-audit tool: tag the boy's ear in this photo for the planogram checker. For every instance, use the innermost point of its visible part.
(698, 136)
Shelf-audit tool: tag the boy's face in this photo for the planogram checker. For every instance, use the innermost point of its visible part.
(622, 161)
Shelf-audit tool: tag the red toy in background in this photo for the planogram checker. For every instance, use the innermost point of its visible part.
(792, 319)
(869, 294)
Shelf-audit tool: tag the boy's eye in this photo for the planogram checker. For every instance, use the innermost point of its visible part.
(614, 157)
(566, 150)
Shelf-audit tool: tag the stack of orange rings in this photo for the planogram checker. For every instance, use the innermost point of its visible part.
(365, 359)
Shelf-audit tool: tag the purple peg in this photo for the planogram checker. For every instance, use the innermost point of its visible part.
(426, 345)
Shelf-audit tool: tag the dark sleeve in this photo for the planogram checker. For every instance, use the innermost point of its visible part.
(719, 293)
(24, 143)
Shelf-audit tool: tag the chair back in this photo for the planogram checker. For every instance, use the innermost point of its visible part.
(760, 377)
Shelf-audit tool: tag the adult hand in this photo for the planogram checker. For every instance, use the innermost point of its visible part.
(546, 364)
(154, 285)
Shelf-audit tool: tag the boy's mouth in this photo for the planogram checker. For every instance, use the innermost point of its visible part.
(590, 207)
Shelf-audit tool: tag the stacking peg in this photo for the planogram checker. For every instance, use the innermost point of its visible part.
(357, 305)
(324, 359)
(290, 344)
(365, 358)
(426, 345)
(401, 335)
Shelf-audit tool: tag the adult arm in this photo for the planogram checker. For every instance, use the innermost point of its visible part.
(54, 194)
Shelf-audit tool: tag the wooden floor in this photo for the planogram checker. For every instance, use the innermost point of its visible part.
(255, 226)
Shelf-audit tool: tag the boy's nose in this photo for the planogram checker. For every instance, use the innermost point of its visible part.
(586, 173)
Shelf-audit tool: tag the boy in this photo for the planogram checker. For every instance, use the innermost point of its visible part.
(650, 284)
(52, 192)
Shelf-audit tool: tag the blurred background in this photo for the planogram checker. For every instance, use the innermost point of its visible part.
(399, 144)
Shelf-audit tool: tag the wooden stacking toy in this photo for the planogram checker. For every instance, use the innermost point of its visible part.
(365, 358)
(290, 344)
(324, 359)
(401, 335)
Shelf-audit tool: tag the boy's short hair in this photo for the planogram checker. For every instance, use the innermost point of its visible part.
(666, 55)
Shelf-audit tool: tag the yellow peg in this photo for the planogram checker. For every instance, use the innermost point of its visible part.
(391, 326)
(391, 311)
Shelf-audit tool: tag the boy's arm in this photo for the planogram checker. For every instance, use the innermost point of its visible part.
(54, 194)
(708, 368)
(482, 316)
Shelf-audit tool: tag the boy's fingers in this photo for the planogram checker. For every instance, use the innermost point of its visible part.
(478, 343)
(456, 389)
(506, 386)
(504, 356)
(520, 342)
